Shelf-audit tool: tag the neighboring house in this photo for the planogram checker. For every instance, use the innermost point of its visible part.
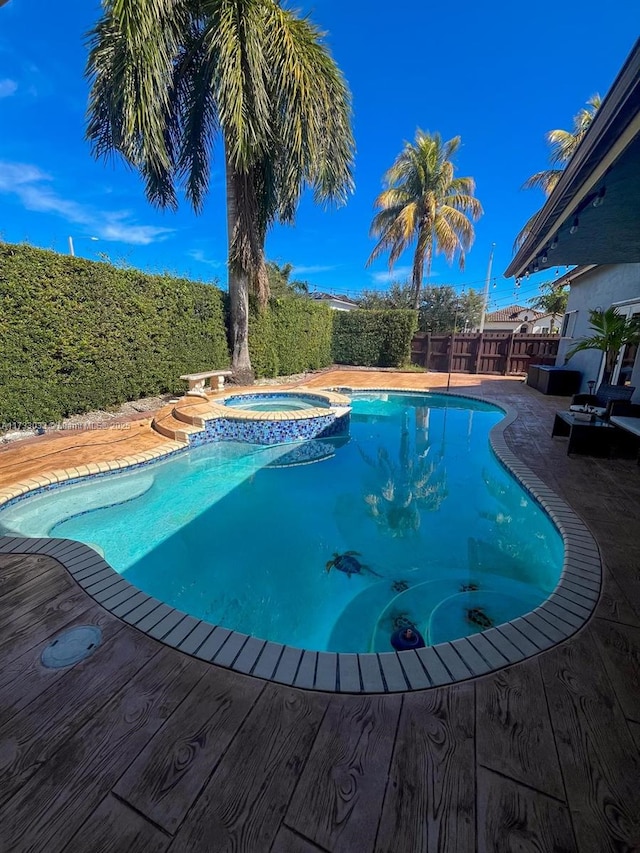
(335, 301)
(516, 318)
(592, 220)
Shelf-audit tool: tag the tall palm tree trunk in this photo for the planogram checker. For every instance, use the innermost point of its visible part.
(416, 283)
(418, 274)
(238, 284)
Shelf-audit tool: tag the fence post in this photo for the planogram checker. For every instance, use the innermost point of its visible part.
(480, 345)
(507, 366)
(428, 355)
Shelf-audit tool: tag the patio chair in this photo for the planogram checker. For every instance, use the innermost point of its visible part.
(624, 409)
(603, 399)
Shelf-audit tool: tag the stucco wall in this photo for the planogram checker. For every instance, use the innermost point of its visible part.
(598, 288)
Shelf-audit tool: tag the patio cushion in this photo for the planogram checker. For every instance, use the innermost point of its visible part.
(595, 410)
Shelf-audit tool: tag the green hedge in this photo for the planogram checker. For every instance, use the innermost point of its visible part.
(374, 338)
(77, 335)
(291, 335)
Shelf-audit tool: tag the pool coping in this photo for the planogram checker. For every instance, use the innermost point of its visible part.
(559, 617)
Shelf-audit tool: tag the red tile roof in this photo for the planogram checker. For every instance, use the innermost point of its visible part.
(510, 314)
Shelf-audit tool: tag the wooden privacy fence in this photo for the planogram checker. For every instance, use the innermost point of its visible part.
(503, 353)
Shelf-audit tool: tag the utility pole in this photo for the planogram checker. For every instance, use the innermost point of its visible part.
(485, 298)
(70, 239)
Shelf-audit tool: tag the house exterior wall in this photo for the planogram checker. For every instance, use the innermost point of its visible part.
(542, 324)
(339, 305)
(598, 288)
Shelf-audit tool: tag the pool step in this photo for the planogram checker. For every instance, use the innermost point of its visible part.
(195, 415)
(171, 427)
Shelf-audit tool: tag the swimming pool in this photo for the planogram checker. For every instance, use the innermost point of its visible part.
(445, 539)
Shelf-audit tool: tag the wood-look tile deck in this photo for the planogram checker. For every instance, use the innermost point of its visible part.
(143, 748)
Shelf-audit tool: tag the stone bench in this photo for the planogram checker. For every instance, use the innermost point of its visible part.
(197, 381)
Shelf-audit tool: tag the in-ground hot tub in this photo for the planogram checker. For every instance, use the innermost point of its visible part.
(282, 402)
(275, 417)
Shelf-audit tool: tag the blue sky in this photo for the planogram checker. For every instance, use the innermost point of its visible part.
(499, 77)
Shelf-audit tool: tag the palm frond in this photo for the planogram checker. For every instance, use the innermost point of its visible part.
(563, 144)
(132, 105)
(546, 180)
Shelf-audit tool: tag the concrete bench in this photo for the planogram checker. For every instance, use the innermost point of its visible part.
(197, 381)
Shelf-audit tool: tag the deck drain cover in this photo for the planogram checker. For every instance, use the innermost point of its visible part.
(72, 646)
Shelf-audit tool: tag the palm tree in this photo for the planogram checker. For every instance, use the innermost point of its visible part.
(425, 203)
(280, 283)
(552, 299)
(169, 79)
(563, 144)
(612, 331)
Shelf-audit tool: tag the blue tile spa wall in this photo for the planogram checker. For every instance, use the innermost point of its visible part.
(271, 432)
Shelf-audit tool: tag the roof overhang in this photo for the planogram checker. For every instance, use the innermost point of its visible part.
(604, 170)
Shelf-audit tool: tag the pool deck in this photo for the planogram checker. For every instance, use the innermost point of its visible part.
(143, 748)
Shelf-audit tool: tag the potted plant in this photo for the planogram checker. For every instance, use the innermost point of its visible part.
(611, 331)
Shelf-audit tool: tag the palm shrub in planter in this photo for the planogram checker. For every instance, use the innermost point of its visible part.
(611, 332)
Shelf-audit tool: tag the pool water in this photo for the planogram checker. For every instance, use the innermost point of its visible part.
(445, 539)
(275, 403)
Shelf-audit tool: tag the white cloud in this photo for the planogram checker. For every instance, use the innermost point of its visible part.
(19, 173)
(8, 88)
(137, 235)
(199, 256)
(398, 274)
(310, 270)
(33, 188)
(387, 276)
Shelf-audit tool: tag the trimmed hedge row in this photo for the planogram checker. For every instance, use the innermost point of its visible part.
(77, 335)
(374, 338)
(291, 335)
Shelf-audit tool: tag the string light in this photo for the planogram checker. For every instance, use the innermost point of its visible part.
(575, 226)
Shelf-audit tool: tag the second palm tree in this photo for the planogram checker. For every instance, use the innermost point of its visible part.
(423, 203)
